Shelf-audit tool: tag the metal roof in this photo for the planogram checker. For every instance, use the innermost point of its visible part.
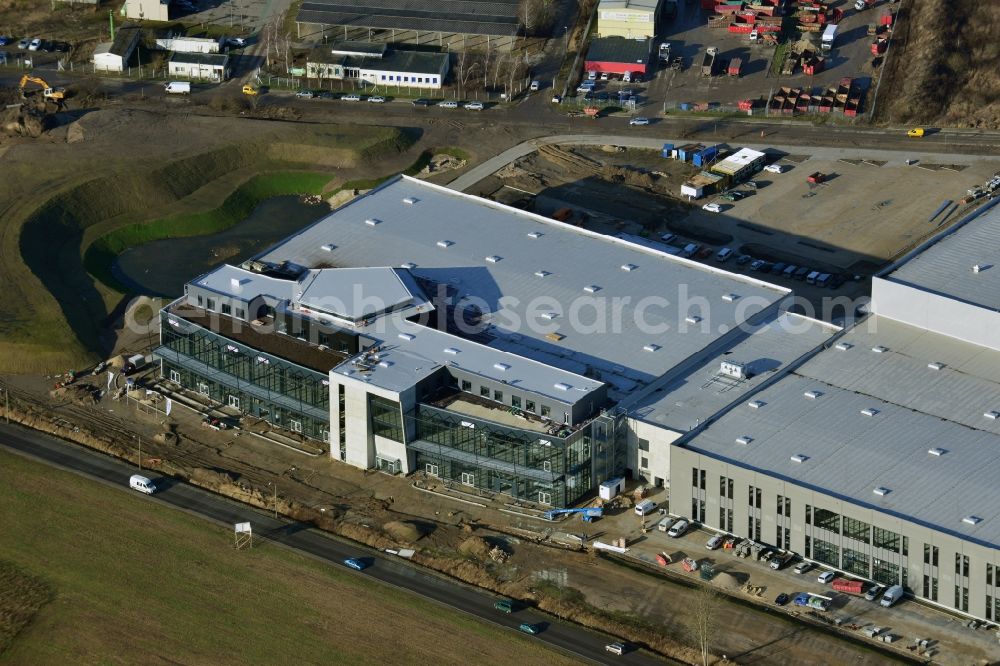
(946, 267)
(847, 454)
(619, 49)
(212, 59)
(626, 5)
(686, 399)
(737, 161)
(517, 266)
(497, 17)
(353, 293)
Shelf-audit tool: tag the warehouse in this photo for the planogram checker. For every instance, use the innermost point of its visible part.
(377, 65)
(513, 395)
(631, 19)
(617, 55)
(449, 25)
(877, 455)
(114, 56)
(204, 66)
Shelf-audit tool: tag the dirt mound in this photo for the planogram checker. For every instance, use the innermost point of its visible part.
(404, 531)
(78, 394)
(23, 120)
(477, 547)
(727, 581)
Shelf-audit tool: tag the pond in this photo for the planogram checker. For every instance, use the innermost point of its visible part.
(162, 267)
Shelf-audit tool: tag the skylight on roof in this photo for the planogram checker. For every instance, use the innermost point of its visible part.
(729, 298)
(563, 387)
(445, 243)
(744, 439)
(843, 346)
(812, 395)
(535, 234)
(879, 349)
(972, 520)
(329, 247)
(799, 458)
(542, 274)
(409, 201)
(409, 265)
(937, 451)
(493, 258)
(692, 319)
(628, 268)
(406, 336)
(371, 221)
(992, 416)
(881, 491)
(651, 347)
(503, 367)
(869, 411)
(756, 404)
(592, 288)
(935, 365)
(450, 350)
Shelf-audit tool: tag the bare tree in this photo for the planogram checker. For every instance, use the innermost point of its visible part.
(702, 620)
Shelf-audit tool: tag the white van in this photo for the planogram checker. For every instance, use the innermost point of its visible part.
(142, 484)
(724, 255)
(645, 507)
(535, 85)
(892, 595)
(665, 524)
(178, 87)
(627, 77)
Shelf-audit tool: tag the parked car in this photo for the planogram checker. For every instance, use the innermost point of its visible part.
(712, 207)
(325, 94)
(142, 484)
(765, 267)
(802, 567)
(615, 648)
(756, 264)
(23, 44)
(535, 85)
(420, 101)
(704, 253)
(744, 259)
(351, 98)
(775, 168)
(826, 577)
(48, 46)
(781, 599)
(5, 40)
(679, 528)
(724, 255)
(778, 268)
(874, 592)
(556, 99)
(715, 542)
(35, 44)
(530, 628)
(639, 120)
(449, 104)
(728, 196)
(789, 271)
(475, 106)
(377, 99)
(837, 280)
(62, 47)
(802, 272)
(690, 249)
(737, 195)
(504, 606)
(751, 184)
(666, 238)
(304, 94)
(356, 564)
(236, 42)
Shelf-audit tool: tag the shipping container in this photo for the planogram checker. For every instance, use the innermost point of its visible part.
(668, 150)
(735, 66)
(849, 586)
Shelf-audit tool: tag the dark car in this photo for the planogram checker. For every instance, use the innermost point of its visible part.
(504, 606)
(837, 280)
(47, 45)
(326, 94)
(62, 47)
(421, 102)
(5, 40)
(704, 253)
(778, 268)
(765, 267)
(781, 599)
(802, 273)
(743, 259)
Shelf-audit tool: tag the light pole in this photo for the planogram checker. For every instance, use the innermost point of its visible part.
(274, 484)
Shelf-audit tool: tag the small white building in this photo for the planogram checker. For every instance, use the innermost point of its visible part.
(114, 56)
(189, 44)
(631, 19)
(148, 10)
(204, 66)
(378, 65)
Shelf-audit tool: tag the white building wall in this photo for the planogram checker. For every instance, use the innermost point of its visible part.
(189, 45)
(628, 23)
(657, 440)
(108, 62)
(195, 71)
(147, 10)
(941, 314)
(362, 446)
(403, 79)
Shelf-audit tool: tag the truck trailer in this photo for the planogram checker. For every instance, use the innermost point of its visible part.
(829, 37)
(710, 61)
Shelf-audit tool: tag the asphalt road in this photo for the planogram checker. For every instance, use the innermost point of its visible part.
(567, 638)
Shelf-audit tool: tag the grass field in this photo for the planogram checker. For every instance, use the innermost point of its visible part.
(132, 581)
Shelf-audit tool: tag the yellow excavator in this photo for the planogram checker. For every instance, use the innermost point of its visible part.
(56, 95)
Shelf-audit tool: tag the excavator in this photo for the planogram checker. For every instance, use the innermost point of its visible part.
(56, 95)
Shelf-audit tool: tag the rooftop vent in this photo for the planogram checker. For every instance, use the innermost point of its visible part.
(409, 265)
(869, 411)
(977, 268)
(799, 458)
(935, 365)
(843, 346)
(501, 366)
(729, 298)
(592, 288)
(384, 364)
(371, 221)
(937, 452)
(445, 243)
(562, 387)
(734, 370)
(450, 350)
(493, 258)
(406, 336)
(879, 349)
(651, 347)
(409, 201)
(881, 491)
(535, 234)
(542, 273)
(628, 268)
(744, 439)
(756, 404)
(972, 520)
(812, 395)
(993, 416)
(549, 315)
(329, 247)
(692, 319)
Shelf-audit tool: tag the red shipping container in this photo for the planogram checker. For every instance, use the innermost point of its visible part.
(849, 586)
(887, 18)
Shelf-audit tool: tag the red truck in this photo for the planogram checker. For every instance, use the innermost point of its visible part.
(816, 178)
(735, 66)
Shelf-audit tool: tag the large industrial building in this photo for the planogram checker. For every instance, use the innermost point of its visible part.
(878, 455)
(419, 329)
(631, 19)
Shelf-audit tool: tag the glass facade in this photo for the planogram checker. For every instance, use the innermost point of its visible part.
(826, 552)
(827, 520)
(261, 385)
(525, 464)
(387, 419)
(857, 529)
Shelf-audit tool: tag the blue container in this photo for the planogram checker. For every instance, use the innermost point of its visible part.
(684, 106)
(668, 150)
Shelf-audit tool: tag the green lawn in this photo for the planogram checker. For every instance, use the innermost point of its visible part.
(132, 581)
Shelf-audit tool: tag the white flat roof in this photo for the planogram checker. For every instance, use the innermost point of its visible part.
(515, 266)
(353, 293)
(625, 5)
(740, 159)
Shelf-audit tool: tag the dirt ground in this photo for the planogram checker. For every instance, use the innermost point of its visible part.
(942, 65)
(434, 519)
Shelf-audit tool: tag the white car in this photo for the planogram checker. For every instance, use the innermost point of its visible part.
(712, 207)
(236, 42)
(535, 85)
(35, 44)
(715, 542)
(826, 577)
(351, 98)
(615, 648)
(475, 106)
(377, 99)
(803, 567)
(451, 104)
(639, 120)
(775, 168)
(679, 528)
